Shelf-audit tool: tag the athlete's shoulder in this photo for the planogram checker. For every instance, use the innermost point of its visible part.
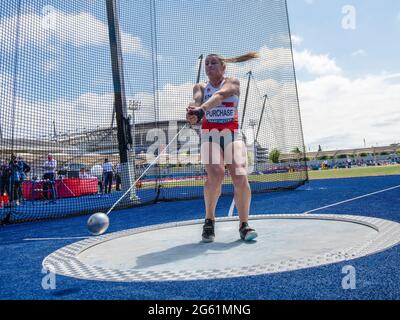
(232, 84)
(232, 80)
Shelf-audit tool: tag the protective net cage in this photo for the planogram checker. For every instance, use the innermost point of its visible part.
(93, 90)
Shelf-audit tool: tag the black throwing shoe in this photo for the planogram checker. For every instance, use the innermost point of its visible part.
(208, 231)
(247, 233)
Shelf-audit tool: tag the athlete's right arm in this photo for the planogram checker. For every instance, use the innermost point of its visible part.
(198, 94)
(198, 90)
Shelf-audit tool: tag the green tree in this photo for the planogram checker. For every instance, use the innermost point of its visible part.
(274, 155)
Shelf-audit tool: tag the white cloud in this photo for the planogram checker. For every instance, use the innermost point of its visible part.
(338, 112)
(88, 111)
(297, 40)
(172, 102)
(309, 1)
(316, 64)
(80, 30)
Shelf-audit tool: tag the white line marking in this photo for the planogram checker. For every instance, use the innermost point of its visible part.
(47, 239)
(232, 207)
(360, 197)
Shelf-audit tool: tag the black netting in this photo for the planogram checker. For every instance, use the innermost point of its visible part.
(60, 95)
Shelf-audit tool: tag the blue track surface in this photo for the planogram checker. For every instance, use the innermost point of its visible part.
(377, 275)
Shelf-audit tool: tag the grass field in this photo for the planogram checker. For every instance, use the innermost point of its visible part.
(354, 172)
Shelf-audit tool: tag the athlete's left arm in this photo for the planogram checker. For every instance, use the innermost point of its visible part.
(230, 88)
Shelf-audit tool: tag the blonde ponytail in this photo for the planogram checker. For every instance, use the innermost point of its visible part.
(241, 58)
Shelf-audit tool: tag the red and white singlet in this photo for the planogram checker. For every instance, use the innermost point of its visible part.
(224, 116)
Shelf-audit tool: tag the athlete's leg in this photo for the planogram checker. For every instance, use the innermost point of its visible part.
(212, 158)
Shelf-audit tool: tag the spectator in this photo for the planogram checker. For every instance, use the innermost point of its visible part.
(118, 177)
(15, 180)
(49, 167)
(24, 169)
(5, 174)
(348, 163)
(108, 175)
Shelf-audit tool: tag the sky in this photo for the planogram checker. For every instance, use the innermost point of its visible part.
(345, 55)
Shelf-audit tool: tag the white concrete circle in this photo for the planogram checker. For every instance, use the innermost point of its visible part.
(174, 251)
